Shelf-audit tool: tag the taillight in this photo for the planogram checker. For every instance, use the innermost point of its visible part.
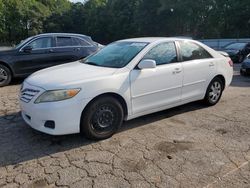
(231, 63)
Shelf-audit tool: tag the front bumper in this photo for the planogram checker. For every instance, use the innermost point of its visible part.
(65, 114)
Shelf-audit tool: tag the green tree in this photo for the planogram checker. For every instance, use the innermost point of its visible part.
(73, 20)
(2, 29)
(109, 20)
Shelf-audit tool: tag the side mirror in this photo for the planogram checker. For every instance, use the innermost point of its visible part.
(27, 49)
(147, 64)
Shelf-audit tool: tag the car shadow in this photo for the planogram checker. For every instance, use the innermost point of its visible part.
(165, 114)
(16, 81)
(19, 143)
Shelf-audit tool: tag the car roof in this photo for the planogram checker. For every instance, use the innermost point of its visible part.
(64, 34)
(153, 39)
(240, 42)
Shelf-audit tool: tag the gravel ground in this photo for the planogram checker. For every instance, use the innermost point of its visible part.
(189, 146)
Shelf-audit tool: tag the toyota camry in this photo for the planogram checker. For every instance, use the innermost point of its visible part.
(124, 80)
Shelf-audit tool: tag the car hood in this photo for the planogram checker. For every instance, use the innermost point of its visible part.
(67, 75)
(6, 51)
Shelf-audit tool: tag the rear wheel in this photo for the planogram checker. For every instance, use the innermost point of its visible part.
(214, 92)
(102, 118)
(5, 75)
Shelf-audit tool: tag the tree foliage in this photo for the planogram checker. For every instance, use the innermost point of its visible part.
(109, 20)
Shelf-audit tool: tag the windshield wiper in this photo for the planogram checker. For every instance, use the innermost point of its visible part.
(95, 64)
(92, 63)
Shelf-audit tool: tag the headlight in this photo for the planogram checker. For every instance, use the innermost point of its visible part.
(57, 95)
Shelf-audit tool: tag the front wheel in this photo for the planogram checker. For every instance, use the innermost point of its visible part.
(102, 118)
(5, 76)
(214, 92)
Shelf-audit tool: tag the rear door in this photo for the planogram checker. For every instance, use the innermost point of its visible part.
(65, 51)
(82, 47)
(198, 69)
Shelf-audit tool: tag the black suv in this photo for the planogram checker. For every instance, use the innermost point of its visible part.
(41, 51)
(237, 51)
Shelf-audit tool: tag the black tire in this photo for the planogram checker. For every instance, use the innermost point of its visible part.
(242, 73)
(214, 92)
(5, 76)
(102, 118)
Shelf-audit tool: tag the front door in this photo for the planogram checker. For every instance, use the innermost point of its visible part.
(39, 57)
(152, 89)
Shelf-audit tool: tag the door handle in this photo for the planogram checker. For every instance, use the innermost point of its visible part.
(177, 71)
(77, 49)
(50, 50)
(211, 64)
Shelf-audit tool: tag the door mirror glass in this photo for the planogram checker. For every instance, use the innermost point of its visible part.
(147, 64)
(27, 49)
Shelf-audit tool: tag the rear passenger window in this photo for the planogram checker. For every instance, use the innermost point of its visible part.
(163, 53)
(79, 42)
(63, 41)
(191, 51)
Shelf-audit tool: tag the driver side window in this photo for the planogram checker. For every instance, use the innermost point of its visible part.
(163, 53)
(41, 43)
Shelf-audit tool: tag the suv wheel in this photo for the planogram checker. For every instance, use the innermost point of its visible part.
(5, 75)
(102, 118)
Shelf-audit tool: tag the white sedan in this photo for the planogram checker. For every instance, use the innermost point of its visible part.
(124, 80)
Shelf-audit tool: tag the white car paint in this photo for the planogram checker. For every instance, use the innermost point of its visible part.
(144, 91)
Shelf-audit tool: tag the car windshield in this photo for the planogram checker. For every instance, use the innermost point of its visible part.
(236, 46)
(22, 42)
(115, 55)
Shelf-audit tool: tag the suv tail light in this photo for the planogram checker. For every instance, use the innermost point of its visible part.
(231, 63)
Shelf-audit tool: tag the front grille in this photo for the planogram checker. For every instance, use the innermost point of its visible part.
(28, 94)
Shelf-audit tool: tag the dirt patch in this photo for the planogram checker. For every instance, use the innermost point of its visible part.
(173, 147)
(177, 121)
(221, 131)
(134, 166)
(39, 184)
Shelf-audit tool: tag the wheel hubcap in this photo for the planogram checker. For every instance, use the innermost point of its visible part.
(215, 92)
(3, 75)
(103, 118)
